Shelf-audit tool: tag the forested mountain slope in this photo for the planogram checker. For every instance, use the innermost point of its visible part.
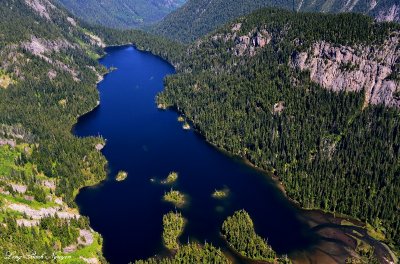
(121, 13)
(198, 17)
(48, 75)
(312, 97)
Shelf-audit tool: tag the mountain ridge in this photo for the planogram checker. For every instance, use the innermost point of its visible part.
(199, 17)
(121, 13)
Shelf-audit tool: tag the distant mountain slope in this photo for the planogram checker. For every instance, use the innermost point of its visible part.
(198, 17)
(121, 13)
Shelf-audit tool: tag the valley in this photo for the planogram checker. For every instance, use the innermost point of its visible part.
(282, 123)
(122, 13)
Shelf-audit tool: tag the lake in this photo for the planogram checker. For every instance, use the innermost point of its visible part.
(148, 143)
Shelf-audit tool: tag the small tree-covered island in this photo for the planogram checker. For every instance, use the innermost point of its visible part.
(294, 105)
(239, 232)
(175, 197)
(173, 227)
(121, 176)
(220, 194)
(171, 178)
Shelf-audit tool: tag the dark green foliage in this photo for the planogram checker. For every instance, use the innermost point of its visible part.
(14, 27)
(184, 254)
(329, 152)
(20, 241)
(175, 197)
(173, 224)
(348, 67)
(199, 17)
(38, 193)
(30, 111)
(34, 101)
(192, 253)
(167, 49)
(43, 110)
(44, 240)
(60, 230)
(239, 231)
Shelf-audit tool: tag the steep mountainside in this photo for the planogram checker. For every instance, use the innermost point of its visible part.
(122, 13)
(311, 97)
(48, 76)
(48, 73)
(199, 17)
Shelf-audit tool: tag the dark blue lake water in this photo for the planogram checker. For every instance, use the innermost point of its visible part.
(149, 143)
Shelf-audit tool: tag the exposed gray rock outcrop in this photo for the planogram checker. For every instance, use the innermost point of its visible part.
(278, 107)
(9, 142)
(19, 188)
(42, 48)
(41, 7)
(359, 68)
(247, 44)
(95, 40)
(37, 214)
(15, 132)
(72, 21)
(85, 239)
(27, 222)
(99, 147)
(38, 46)
(391, 14)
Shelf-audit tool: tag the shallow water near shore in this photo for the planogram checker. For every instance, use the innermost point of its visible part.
(148, 143)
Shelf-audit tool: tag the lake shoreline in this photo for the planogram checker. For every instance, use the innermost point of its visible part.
(274, 178)
(328, 216)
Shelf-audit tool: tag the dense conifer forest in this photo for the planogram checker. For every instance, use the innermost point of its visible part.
(329, 150)
(192, 253)
(46, 107)
(52, 62)
(49, 72)
(240, 234)
(169, 50)
(196, 18)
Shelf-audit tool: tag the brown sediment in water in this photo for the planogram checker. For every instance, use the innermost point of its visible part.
(338, 242)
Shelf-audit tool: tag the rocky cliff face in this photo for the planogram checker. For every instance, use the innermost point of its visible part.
(361, 68)
(244, 44)
(248, 44)
(372, 69)
(43, 48)
(390, 14)
(42, 7)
